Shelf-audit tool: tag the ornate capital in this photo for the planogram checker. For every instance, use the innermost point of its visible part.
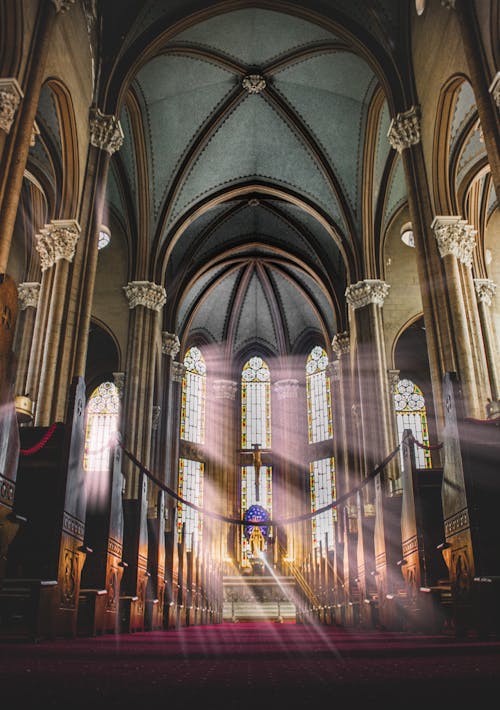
(225, 389)
(365, 292)
(177, 371)
(28, 293)
(145, 293)
(341, 343)
(454, 236)
(155, 417)
(10, 98)
(495, 89)
(170, 344)
(404, 129)
(63, 5)
(56, 241)
(119, 382)
(485, 290)
(286, 389)
(105, 131)
(253, 83)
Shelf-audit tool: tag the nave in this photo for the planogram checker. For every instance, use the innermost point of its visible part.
(247, 665)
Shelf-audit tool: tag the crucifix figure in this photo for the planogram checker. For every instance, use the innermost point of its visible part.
(257, 463)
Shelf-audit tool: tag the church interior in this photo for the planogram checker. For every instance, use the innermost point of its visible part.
(249, 346)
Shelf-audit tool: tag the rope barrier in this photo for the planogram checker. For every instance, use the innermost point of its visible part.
(36, 447)
(238, 521)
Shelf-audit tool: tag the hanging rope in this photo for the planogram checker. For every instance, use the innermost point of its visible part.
(237, 521)
(36, 447)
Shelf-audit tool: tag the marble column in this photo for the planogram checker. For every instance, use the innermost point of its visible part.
(485, 291)
(456, 242)
(222, 439)
(28, 294)
(18, 112)
(145, 299)
(404, 136)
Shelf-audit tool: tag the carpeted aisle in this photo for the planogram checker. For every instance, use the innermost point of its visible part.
(249, 665)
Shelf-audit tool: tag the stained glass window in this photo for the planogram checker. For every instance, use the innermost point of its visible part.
(102, 415)
(322, 479)
(319, 401)
(409, 404)
(255, 404)
(193, 397)
(255, 429)
(190, 488)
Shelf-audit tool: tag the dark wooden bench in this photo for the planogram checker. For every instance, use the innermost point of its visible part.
(27, 607)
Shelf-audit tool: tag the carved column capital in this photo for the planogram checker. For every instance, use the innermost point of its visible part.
(170, 344)
(28, 294)
(454, 236)
(119, 382)
(495, 89)
(105, 131)
(225, 389)
(485, 290)
(392, 379)
(10, 98)
(404, 129)
(177, 371)
(365, 292)
(145, 293)
(341, 343)
(63, 5)
(286, 389)
(57, 240)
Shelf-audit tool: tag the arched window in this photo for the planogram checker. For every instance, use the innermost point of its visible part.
(255, 429)
(322, 481)
(320, 429)
(193, 397)
(192, 429)
(409, 404)
(191, 489)
(319, 401)
(103, 411)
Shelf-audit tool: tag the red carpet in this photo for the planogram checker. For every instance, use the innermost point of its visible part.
(249, 665)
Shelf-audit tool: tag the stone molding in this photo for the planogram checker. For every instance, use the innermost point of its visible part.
(253, 83)
(145, 293)
(286, 389)
(341, 343)
(57, 240)
(485, 290)
(10, 98)
(225, 389)
(177, 371)
(105, 131)
(454, 236)
(28, 294)
(170, 344)
(63, 5)
(495, 89)
(155, 417)
(404, 129)
(366, 292)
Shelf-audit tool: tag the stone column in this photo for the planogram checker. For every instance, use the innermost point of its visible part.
(222, 427)
(290, 468)
(485, 290)
(366, 299)
(56, 244)
(19, 113)
(456, 241)
(146, 299)
(404, 136)
(177, 372)
(487, 101)
(170, 346)
(27, 294)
